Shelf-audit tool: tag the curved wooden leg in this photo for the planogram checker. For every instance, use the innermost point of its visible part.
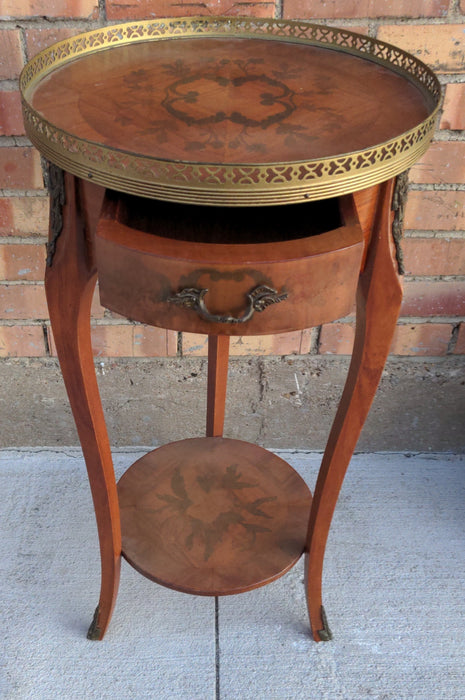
(69, 282)
(379, 297)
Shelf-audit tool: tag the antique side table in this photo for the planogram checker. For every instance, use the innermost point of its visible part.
(228, 177)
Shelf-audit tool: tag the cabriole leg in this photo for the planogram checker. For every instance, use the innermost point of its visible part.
(379, 297)
(69, 283)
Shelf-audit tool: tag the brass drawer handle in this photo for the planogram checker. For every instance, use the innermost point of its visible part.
(259, 298)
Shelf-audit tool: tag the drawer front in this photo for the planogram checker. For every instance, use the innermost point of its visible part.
(245, 298)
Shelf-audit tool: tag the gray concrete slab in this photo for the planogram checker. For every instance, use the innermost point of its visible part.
(279, 402)
(394, 582)
(162, 643)
(393, 591)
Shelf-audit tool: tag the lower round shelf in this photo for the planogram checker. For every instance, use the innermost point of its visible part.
(213, 516)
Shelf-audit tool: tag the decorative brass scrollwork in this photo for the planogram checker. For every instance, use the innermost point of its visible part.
(258, 299)
(399, 201)
(325, 634)
(56, 188)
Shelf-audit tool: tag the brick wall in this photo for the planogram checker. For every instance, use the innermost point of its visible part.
(433, 314)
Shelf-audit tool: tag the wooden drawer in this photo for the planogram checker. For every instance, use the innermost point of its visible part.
(232, 271)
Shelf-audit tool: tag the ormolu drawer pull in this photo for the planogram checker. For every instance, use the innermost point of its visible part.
(259, 298)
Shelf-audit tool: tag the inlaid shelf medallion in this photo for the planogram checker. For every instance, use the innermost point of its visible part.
(146, 123)
(213, 516)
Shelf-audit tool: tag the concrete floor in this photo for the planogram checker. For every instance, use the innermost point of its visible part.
(393, 587)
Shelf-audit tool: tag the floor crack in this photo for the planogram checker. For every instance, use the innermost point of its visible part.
(263, 386)
(217, 649)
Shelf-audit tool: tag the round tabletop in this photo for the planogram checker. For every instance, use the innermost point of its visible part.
(229, 111)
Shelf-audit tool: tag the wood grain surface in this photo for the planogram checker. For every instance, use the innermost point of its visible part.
(229, 100)
(213, 516)
(69, 285)
(379, 297)
(288, 249)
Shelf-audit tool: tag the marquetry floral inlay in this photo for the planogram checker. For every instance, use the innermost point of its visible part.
(217, 503)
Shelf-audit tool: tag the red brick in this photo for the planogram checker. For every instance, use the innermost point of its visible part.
(194, 344)
(460, 344)
(21, 341)
(348, 9)
(336, 339)
(147, 9)
(438, 210)
(434, 256)
(23, 301)
(453, 110)
(28, 301)
(49, 8)
(20, 168)
(23, 216)
(433, 299)
(443, 163)
(6, 217)
(11, 118)
(419, 339)
(11, 59)
(422, 339)
(306, 340)
(154, 342)
(441, 46)
(127, 340)
(22, 262)
(357, 28)
(107, 341)
(39, 39)
(279, 344)
(112, 341)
